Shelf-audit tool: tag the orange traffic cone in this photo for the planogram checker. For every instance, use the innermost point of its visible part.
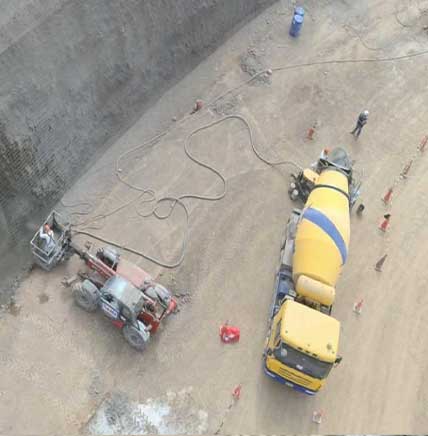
(358, 306)
(388, 196)
(317, 416)
(385, 223)
(406, 169)
(380, 262)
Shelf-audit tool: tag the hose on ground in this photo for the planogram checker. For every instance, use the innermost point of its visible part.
(140, 253)
(179, 200)
(174, 200)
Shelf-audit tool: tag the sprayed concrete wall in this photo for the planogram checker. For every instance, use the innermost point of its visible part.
(75, 73)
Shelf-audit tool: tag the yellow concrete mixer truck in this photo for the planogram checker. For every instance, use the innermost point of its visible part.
(303, 339)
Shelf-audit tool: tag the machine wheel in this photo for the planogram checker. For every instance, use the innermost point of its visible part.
(134, 337)
(67, 256)
(86, 295)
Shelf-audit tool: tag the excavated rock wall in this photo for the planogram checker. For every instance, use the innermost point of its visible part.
(74, 73)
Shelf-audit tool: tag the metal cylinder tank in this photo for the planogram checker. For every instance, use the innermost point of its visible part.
(322, 237)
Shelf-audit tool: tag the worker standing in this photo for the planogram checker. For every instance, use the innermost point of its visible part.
(324, 153)
(316, 166)
(46, 234)
(361, 122)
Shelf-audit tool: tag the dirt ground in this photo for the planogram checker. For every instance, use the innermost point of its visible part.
(66, 371)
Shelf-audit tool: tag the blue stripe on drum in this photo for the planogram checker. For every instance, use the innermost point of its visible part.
(323, 222)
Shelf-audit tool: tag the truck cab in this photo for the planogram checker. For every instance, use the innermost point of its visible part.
(302, 347)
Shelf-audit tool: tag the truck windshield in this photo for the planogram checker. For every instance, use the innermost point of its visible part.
(302, 362)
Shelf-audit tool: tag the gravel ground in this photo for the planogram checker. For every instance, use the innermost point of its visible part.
(72, 366)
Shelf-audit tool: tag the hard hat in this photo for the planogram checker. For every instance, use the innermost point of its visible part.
(366, 113)
(326, 150)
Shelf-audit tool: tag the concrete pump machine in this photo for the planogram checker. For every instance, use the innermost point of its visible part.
(124, 293)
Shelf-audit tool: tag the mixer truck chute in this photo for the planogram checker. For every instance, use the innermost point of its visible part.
(303, 339)
(303, 182)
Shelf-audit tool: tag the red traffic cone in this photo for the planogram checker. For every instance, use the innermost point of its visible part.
(380, 262)
(385, 223)
(317, 416)
(358, 306)
(388, 196)
(237, 392)
(310, 134)
(406, 169)
(423, 143)
(198, 106)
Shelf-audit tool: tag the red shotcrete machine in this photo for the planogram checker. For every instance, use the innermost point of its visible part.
(126, 294)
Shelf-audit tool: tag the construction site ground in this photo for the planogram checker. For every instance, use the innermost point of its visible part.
(60, 365)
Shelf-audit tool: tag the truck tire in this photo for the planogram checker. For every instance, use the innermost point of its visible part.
(86, 295)
(134, 337)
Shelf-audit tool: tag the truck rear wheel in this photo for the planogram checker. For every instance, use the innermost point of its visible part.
(86, 295)
(134, 337)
